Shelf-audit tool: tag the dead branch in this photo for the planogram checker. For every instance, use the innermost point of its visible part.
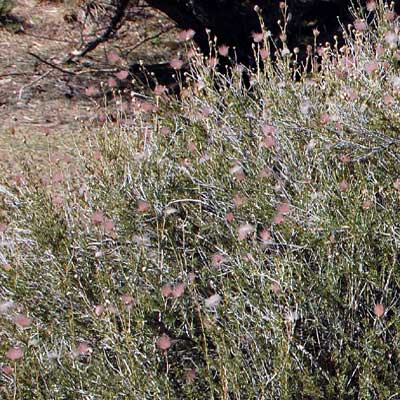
(115, 24)
(64, 71)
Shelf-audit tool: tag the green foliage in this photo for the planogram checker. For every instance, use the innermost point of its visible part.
(256, 228)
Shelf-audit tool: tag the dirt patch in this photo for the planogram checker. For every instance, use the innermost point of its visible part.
(43, 106)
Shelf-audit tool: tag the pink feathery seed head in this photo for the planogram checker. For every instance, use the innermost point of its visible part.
(179, 289)
(257, 37)
(176, 63)
(217, 259)
(58, 177)
(164, 342)
(324, 118)
(350, 94)
(338, 126)
(7, 306)
(143, 206)
(268, 129)
(366, 204)
(248, 257)
(146, 106)
(278, 219)
(19, 180)
(269, 142)
(239, 200)
(191, 375)
(45, 180)
(223, 50)
(160, 90)
(6, 267)
(67, 158)
(206, 111)
(344, 185)
(340, 73)
(305, 107)
(191, 147)
(244, 231)
(127, 299)
(344, 158)
(212, 62)
(99, 310)
(265, 235)
(3, 228)
(360, 25)
(391, 38)
(371, 67)
(121, 75)
(113, 57)
(379, 310)
(56, 200)
(264, 54)
(22, 321)
(112, 309)
(390, 16)
(109, 225)
(15, 353)
(83, 349)
(371, 5)
(265, 173)
(111, 82)
(283, 208)
(379, 50)
(275, 287)
(396, 184)
(229, 217)
(166, 290)
(165, 131)
(7, 370)
(97, 218)
(92, 91)
(186, 35)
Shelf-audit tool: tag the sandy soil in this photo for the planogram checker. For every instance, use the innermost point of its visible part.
(41, 107)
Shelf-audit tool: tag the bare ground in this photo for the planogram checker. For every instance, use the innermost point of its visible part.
(42, 108)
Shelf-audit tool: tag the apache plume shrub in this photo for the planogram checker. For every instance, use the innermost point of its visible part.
(235, 243)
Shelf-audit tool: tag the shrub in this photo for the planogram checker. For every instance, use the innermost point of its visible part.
(234, 243)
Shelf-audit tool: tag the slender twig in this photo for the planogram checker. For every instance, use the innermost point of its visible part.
(165, 30)
(65, 71)
(13, 74)
(115, 24)
(86, 71)
(32, 83)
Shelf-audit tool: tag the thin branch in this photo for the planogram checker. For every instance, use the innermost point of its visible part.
(14, 74)
(65, 71)
(165, 30)
(32, 83)
(115, 24)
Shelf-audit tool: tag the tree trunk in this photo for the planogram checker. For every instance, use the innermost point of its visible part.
(234, 21)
